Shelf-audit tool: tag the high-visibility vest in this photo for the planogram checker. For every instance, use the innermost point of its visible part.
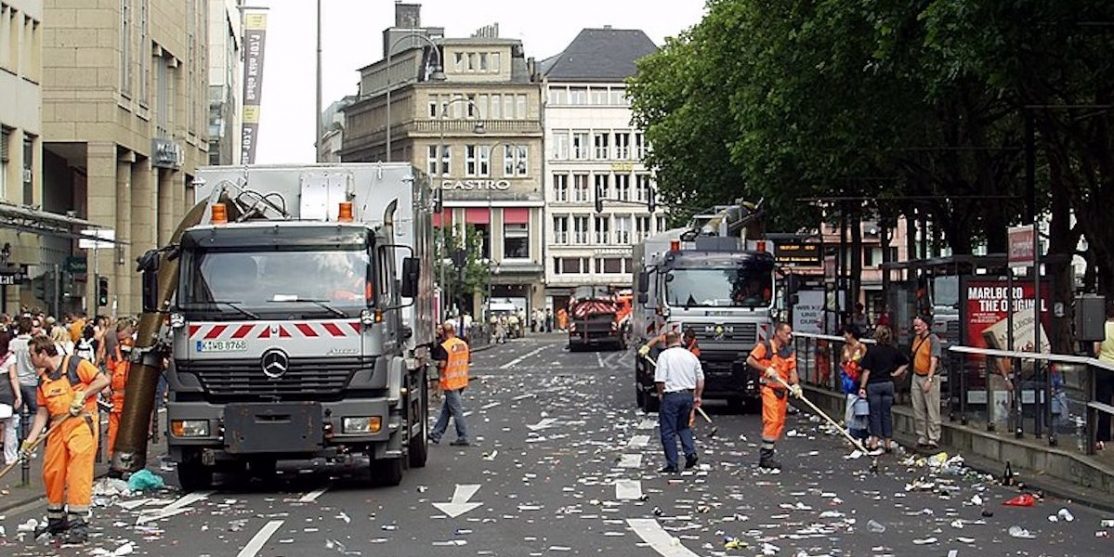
(783, 360)
(454, 376)
(118, 366)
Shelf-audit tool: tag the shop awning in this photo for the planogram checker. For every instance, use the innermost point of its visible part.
(516, 215)
(30, 219)
(476, 215)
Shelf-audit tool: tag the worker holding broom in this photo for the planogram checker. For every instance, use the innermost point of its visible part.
(775, 359)
(67, 400)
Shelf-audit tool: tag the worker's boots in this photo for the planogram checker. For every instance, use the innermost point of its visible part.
(766, 460)
(53, 526)
(77, 533)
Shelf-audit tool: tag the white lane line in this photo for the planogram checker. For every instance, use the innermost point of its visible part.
(652, 533)
(628, 490)
(260, 538)
(638, 442)
(175, 508)
(599, 359)
(519, 359)
(313, 495)
(630, 461)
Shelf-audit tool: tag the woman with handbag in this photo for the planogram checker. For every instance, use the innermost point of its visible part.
(882, 363)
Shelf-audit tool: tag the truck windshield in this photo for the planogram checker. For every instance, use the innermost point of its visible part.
(740, 287)
(333, 281)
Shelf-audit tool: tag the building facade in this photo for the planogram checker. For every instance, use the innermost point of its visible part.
(226, 69)
(477, 131)
(21, 71)
(594, 154)
(126, 121)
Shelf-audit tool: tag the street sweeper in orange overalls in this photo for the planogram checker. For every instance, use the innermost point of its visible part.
(67, 397)
(775, 358)
(119, 365)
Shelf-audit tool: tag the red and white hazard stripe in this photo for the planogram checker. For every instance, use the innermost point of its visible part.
(227, 331)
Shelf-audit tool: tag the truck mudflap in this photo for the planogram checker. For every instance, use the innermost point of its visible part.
(253, 428)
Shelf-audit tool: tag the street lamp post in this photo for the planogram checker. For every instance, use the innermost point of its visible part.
(438, 74)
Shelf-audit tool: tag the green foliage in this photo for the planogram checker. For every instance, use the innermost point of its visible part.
(461, 282)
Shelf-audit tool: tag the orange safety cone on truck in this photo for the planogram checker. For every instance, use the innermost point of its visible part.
(67, 392)
(775, 358)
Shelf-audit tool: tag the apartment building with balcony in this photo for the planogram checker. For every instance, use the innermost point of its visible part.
(468, 112)
(593, 152)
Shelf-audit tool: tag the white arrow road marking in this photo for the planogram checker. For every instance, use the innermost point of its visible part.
(544, 424)
(638, 442)
(519, 359)
(652, 533)
(630, 461)
(628, 490)
(175, 508)
(259, 539)
(599, 359)
(459, 504)
(313, 495)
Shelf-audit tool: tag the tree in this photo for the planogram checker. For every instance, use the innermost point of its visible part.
(460, 260)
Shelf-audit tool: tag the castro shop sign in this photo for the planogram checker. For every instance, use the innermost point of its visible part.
(477, 185)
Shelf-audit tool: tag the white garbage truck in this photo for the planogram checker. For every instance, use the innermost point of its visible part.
(298, 320)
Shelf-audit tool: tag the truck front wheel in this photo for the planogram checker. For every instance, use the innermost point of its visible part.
(387, 472)
(194, 476)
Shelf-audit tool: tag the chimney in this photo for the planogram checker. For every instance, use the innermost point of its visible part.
(408, 16)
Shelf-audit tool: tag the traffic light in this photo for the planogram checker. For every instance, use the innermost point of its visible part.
(102, 291)
(652, 200)
(599, 197)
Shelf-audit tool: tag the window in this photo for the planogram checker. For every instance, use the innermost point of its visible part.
(580, 230)
(558, 95)
(570, 265)
(561, 229)
(458, 61)
(622, 229)
(641, 228)
(599, 96)
(126, 47)
(28, 168)
(473, 63)
(477, 160)
(580, 145)
(661, 224)
(432, 106)
(495, 67)
(603, 186)
(618, 96)
(560, 144)
(496, 107)
(516, 241)
(5, 136)
(145, 53)
(640, 146)
(470, 161)
(609, 265)
(580, 192)
(603, 232)
(514, 160)
(599, 140)
(446, 159)
(642, 187)
(622, 187)
(622, 145)
(508, 107)
(561, 188)
(483, 61)
(578, 95)
(481, 106)
(484, 231)
(470, 106)
(520, 107)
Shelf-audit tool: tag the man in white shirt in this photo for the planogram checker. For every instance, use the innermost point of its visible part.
(680, 382)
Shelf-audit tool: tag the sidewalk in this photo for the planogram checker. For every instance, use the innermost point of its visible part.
(13, 493)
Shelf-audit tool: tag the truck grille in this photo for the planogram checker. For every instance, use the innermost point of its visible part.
(744, 333)
(306, 379)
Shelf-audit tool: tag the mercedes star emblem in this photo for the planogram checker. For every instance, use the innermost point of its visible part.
(274, 362)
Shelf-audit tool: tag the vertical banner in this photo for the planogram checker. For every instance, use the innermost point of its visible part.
(255, 35)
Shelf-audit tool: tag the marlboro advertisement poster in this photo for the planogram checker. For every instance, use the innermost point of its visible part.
(987, 315)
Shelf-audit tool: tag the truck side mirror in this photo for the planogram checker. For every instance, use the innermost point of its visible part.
(643, 285)
(149, 269)
(411, 277)
(643, 297)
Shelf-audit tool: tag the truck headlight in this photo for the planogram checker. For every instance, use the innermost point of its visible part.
(189, 428)
(177, 320)
(361, 424)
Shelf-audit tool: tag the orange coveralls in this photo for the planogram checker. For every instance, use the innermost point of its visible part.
(775, 398)
(119, 366)
(71, 444)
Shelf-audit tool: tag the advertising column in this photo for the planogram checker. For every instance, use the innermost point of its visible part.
(255, 35)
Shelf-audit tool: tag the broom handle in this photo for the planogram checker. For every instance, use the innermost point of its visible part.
(34, 445)
(855, 442)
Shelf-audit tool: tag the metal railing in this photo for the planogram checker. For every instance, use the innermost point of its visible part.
(1046, 395)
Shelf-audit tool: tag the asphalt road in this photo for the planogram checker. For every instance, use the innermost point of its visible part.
(554, 434)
